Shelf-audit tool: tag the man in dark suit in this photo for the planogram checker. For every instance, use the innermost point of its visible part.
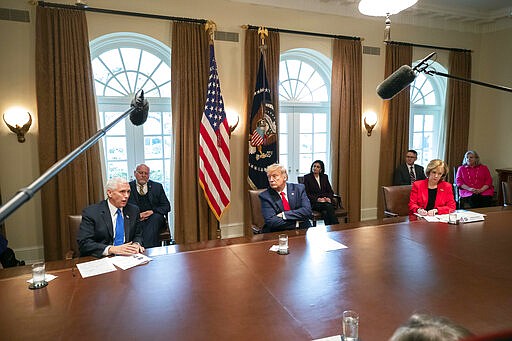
(284, 205)
(153, 204)
(408, 172)
(111, 226)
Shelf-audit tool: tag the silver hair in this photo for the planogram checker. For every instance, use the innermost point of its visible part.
(277, 167)
(112, 183)
(465, 161)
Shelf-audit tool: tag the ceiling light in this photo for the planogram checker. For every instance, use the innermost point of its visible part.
(381, 8)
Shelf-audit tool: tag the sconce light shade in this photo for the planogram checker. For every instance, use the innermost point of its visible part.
(18, 122)
(370, 120)
(233, 119)
(380, 8)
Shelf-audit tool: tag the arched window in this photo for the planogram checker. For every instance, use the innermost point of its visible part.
(123, 63)
(304, 110)
(426, 124)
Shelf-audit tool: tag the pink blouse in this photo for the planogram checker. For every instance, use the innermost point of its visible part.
(474, 177)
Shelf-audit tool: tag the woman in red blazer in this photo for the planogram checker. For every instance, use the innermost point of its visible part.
(433, 195)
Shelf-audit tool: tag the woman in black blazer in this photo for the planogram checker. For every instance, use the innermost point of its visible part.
(320, 192)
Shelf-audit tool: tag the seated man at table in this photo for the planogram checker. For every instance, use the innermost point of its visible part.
(111, 227)
(150, 198)
(284, 205)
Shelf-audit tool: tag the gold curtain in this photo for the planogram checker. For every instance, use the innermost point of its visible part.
(251, 60)
(193, 219)
(394, 141)
(458, 108)
(346, 110)
(67, 117)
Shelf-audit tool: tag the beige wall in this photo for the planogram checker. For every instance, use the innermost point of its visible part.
(490, 113)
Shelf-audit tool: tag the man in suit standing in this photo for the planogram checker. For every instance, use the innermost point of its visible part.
(408, 172)
(112, 225)
(153, 204)
(284, 205)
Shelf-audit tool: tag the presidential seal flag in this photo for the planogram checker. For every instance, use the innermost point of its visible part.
(214, 155)
(263, 131)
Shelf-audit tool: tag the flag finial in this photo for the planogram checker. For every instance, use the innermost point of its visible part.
(211, 27)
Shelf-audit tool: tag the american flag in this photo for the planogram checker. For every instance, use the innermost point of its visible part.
(214, 155)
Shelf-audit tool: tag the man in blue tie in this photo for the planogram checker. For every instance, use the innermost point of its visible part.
(112, 226)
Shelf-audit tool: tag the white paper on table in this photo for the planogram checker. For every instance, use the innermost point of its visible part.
(320, 239)
(274, 248)
(126, 262)
(95, 267)
(330, 338)
(47, 278)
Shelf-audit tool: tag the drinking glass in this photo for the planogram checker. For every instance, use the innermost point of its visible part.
(350, 325)
(283, 244)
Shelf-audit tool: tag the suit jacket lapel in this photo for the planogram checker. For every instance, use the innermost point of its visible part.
(107, 219)
(291, 196)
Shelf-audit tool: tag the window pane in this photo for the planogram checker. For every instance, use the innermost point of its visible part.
(283, 143)
(119, 128)
(429, 123)
(305, 162)
(152, 147)
(153, 124)
(306, 123)
(116, 148)
(417, 141)
(283, 123)
(320, 123)
(118, 169)
(320, 143)
(418, 123)
(306, 145)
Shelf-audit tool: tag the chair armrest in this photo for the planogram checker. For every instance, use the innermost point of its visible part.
(389, 214)
(337, 198)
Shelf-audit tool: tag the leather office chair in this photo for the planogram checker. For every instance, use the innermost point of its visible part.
(165, 236)
(506, 188)
(396, 200)
(257, 220)
(340, 212)
(73, 227)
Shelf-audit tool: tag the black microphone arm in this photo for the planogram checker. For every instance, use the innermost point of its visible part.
(139, 107)
(499, 87)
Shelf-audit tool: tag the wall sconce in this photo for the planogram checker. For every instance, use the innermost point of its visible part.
(370, 120)
(18, 121)
(233, 119)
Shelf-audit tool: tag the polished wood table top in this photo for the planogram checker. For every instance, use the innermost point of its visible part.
(244, 291)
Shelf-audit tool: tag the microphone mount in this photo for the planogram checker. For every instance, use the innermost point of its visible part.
(431, 72)
(25, 194)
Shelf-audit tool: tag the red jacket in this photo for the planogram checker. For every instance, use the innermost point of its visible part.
(419, 197)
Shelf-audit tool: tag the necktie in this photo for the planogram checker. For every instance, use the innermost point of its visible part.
(411, 174)
(119, 239)
(141, 189)
(286, 205)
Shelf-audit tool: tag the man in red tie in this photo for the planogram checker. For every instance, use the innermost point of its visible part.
(284, 205)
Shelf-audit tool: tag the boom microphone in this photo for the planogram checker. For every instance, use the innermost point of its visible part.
(396, 82)
(140, 114)
(401, 78)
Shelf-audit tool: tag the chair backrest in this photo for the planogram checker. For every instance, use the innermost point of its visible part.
(257, 220)
(506, 187)
(396, 199)
(73, 227)
(300, 179)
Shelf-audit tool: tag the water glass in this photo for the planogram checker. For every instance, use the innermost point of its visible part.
(452, 218)
(350, 325)
(38, 274)
(283, 244)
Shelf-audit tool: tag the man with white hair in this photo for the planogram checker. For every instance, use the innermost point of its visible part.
(112, 226)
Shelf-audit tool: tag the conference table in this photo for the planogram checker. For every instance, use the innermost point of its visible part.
(239, 290)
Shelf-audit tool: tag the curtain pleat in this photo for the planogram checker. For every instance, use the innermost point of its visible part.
(394, 141)
(67, 117)
(457, 109)
(251, 60)
(346, 128)
(193, 219)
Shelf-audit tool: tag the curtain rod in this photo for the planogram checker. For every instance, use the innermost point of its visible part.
(111, 11)
(325, 35)
(427, 46)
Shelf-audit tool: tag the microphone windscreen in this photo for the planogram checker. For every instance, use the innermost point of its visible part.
(140, 114)
(396, 82)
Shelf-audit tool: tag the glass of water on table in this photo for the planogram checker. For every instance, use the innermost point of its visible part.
(350, 325)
